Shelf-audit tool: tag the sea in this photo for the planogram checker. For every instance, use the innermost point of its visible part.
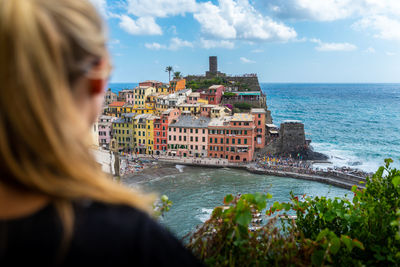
(356, 125)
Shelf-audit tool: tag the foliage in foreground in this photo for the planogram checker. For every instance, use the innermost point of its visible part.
(339, 232)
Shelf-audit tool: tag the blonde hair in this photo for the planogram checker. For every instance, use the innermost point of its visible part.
(45, 46)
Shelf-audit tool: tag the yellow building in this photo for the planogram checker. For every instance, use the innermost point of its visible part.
(143, 110)
(194, 109)
(123, 131)
(162, 90)
(140, 94)
(202, 101)
(144, 133)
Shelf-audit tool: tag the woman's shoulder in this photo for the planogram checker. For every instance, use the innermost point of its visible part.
(126, 233)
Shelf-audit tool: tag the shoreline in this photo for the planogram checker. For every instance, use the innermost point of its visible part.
(336, 179)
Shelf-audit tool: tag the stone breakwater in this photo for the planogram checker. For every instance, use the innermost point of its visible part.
(335, 178)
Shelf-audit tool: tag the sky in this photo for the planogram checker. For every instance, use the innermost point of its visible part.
(316, 41)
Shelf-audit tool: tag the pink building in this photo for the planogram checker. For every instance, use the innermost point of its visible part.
(105, 130)
(205, 110)
(127, 96)
(151, 83)
(187, 137)
(192, 98)
(213, 94)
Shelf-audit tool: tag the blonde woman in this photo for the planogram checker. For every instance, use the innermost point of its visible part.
(56, 206)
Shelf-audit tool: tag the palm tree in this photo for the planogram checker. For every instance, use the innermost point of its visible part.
(177, 75)
(169, 69)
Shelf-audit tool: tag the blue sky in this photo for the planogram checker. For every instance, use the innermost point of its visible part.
(280, 40)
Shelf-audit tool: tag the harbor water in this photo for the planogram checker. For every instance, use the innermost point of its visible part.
(356, 125)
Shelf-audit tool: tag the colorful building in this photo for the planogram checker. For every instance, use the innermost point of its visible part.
(192, 98)
(117, 108)
(176, 85)
(105, 130)
(192, 109)
(144, 133)
(127, 95)
(151, 83)
(109, 97)
(123, 131)
(213, 94)
(232, 138)
(187, 137)
(205, 110)
(140, 95)
(161, 130)
(260, 122)
(219, 111)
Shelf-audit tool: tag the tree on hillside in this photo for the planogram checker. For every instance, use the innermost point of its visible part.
(177, 75)
(169, 69)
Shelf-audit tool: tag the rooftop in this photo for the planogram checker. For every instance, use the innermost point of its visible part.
(146, 117)
(292, 121)
(248, 93)
(257, 110)
(151, 81)
(220, 121)
(187, 121)
(195, 94)
(215, 86)
(117, 104)
(242, 117)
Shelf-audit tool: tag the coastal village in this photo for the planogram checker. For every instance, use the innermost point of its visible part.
(212, 119)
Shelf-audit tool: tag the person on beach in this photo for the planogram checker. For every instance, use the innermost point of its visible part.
(57, 208)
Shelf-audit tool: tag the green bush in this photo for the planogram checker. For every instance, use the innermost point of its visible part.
(364, 231)
(242, 106)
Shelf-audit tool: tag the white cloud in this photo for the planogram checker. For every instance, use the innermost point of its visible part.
(155, 46)
(247, 61)
(208, 44)
(370, 50)
(327, 47)
(390, 54)
(238, 19)
(175, 44)
(385, 28)
(160, 8)
(141, 26)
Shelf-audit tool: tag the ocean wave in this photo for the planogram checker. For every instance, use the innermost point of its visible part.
(204, 215)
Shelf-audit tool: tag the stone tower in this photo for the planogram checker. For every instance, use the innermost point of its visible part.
(213, 65)
(292, 137)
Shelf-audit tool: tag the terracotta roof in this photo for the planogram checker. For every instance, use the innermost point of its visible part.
(117, 104)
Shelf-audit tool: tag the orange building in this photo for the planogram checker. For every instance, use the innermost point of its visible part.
(232, 138)
(177, 85)
(260, 122)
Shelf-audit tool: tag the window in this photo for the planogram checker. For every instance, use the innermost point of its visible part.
(184, 138)
(210, 140)
(191, 130)
(197, 139)
(180, 130)
(169, 138)
(245, 141)
(184, 130)
(191, 139)
(233, 141)
(174, 137)
(222, 140)
(191, 146)
(204, 147)
(204, 139)
(239, 141)
(174, 129)
(197, 130)
(216, 140)
(259, 122)
(180, 138)
(204, 131)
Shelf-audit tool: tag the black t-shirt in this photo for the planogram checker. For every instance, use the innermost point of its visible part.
(105, 235)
